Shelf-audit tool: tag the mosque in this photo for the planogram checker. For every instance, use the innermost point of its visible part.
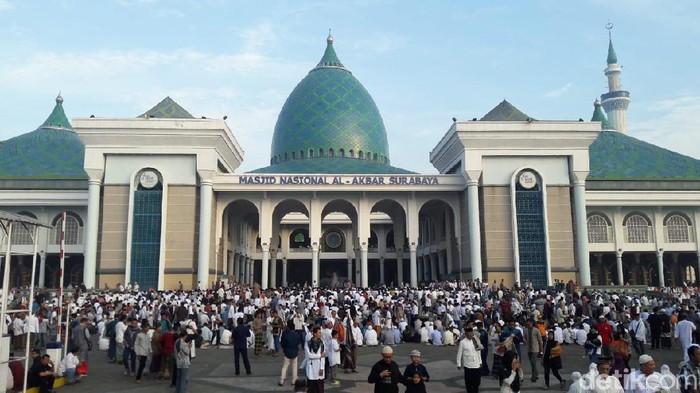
(156, 199)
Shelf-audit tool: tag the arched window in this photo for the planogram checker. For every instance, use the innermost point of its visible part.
(531, 228)
(320, 153)
(360, 155)
(331, 153)
(299, 239)
(341, 153)
(311, 153)
(351, 153)
(74, 229)
(598, 229)
(301, 154)
(23, 235)
(677, 229)
(637, 227)
(369, 156)
(146, 224)
(375, 157)
(333, 241)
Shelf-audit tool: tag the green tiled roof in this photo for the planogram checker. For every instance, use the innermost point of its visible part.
(616, 156)
(505, 111)
(598, 115)
(52, 152)
(328, 165)
(329, 109)
(167, 109)
(612, 56)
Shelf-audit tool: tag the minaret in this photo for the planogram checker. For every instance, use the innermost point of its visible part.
(615, 101)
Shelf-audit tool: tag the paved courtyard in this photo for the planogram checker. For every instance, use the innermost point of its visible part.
(212, 371)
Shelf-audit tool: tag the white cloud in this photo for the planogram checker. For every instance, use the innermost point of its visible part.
(674, 124)
(6, 5)
(169, 14)
(556, 93)
(259, 37)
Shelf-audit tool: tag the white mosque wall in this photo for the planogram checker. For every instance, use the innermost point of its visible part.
(498, 170)
(180, 170)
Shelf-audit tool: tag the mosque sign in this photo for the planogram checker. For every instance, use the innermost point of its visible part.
(322, 180)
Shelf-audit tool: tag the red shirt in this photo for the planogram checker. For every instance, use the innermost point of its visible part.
(17, 368)
(605, 331)
(167, 343)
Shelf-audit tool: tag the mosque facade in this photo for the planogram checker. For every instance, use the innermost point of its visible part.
(157, 199)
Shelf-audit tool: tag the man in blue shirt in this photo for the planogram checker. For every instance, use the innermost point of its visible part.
(240, 346)
(290, 341)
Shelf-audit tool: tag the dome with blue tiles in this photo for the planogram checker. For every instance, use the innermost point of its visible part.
(329, 115)
(51, 152)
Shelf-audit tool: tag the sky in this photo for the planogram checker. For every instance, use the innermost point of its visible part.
(423, 62)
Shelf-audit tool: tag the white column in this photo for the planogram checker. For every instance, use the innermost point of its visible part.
(251, 271)
(413, 266)
(240, 269)
(315, 267)
(205, 196)
(284, 272)
(273, 269)
(244, 263)
(90, 263)
(580, 220)
(399, 265)
(474, 228)
(42, 269)
(660, 267)
(364, 273)
(621, 278)
(697, 272)
(264, 278)
(350, 278)
(381, 270)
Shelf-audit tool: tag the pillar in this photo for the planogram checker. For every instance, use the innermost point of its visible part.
(474, 227)
(315, 266)
(660, 267)
(284, 272)
(381, 270)
(273, 269)
(441, 264)
(205, 196)
(251, 271)
(93, 212)
(42, 269)
(364, 273)
(413, 265)
(399, 265)
(697, 271)
(350, 278)
(621, 277)
(264, 278)
(581, 230)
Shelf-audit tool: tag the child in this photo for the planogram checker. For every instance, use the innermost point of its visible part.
(415, 384)
(335, 357)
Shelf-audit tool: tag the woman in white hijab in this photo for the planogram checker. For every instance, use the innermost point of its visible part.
(577, 384)
(669, 382)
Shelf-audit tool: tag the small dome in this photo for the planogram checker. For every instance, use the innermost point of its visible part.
(51, 152)
(329, 114)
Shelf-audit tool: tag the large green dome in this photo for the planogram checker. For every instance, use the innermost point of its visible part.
(329, 114)
(51, 152)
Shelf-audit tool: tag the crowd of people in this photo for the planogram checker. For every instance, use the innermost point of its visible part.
(495, 330)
